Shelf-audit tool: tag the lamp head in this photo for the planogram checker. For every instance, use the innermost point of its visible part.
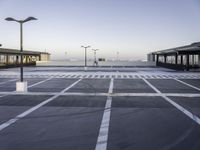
(10, 19)
(29, 19)
(85, 46)
(21, 21)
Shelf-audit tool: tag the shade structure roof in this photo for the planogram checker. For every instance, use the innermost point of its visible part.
(193, 48)
(17, 52)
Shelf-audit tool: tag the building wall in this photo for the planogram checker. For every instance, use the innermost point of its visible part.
(44, 57)
(150, 57)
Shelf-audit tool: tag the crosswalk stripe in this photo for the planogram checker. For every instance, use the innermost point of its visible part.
(121, 76)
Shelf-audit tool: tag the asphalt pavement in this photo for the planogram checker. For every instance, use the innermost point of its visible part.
(100, 113)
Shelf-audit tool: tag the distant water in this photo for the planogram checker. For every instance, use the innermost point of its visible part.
(91, 63)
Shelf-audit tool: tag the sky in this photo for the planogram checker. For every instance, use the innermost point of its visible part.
(131, 27)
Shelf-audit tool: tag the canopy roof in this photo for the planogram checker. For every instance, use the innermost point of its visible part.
(193, 48)
(17, 52)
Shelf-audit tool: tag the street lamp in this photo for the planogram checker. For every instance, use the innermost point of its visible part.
(85, 47)
(117, 56)
(95, 58)
(23, 85)
(66, 56)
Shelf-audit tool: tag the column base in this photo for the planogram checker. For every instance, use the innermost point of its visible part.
(21, 86)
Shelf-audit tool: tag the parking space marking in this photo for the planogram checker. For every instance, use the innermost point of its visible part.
(179, 107)
(22, 115)
(8, 81)
(40, 82)
(110, 91)
(122, 75)
(194, 87)
(103, 94)
(104, 128)
(153, 87)
(8, 93)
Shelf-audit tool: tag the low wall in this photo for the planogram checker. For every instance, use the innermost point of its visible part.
(177, 66)
(17, 65)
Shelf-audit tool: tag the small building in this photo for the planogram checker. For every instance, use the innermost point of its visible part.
(11, 57)
(178, 58)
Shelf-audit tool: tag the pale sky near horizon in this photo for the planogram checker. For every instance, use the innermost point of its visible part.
(131, 27)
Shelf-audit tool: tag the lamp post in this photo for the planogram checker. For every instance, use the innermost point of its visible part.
(21, 22)
(66, 55)
(85, 47)
(95, 58)
(117, 56)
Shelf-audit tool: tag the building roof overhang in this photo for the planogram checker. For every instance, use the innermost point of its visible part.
(194, 48)
(17, 52)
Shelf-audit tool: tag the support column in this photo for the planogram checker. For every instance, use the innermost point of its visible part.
(187, 62)
(7, 59)
(176, 58)
(192, 60)
(181, 59)
(165, 59)
(31, 58)
(157, 58)
(26, 57)
(40, 58)
(17, 59)
(153, 57)
(199, 60)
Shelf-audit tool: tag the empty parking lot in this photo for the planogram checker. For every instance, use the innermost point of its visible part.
(100, 113)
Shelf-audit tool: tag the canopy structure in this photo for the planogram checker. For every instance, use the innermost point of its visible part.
(179, 58)
(11, 57)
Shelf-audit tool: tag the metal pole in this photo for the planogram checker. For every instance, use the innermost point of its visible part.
(187, 62)
(117, 56)
(21, 50)
(85, 47)
(85, 56)
(95, 58)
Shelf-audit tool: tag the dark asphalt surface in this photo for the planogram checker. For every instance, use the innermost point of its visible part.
(171, 86)
(53, 85)
(131, 86)
(12, 105)
(4, 80)
(73, 122)
(91, 86)
(8, 87)
(194, 82)
(52, 128)
(78, 101)
(190, 103)
(151, 124)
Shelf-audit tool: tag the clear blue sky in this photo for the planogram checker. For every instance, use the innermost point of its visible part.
(132, 27)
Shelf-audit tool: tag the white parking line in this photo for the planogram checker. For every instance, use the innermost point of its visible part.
(179, 107)
(8, 81)
(111, 86)
(194, 87)
(149, 84)
(8, 93)
(20, 116)
(104, 128)
(103, 94)
(40, 82)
